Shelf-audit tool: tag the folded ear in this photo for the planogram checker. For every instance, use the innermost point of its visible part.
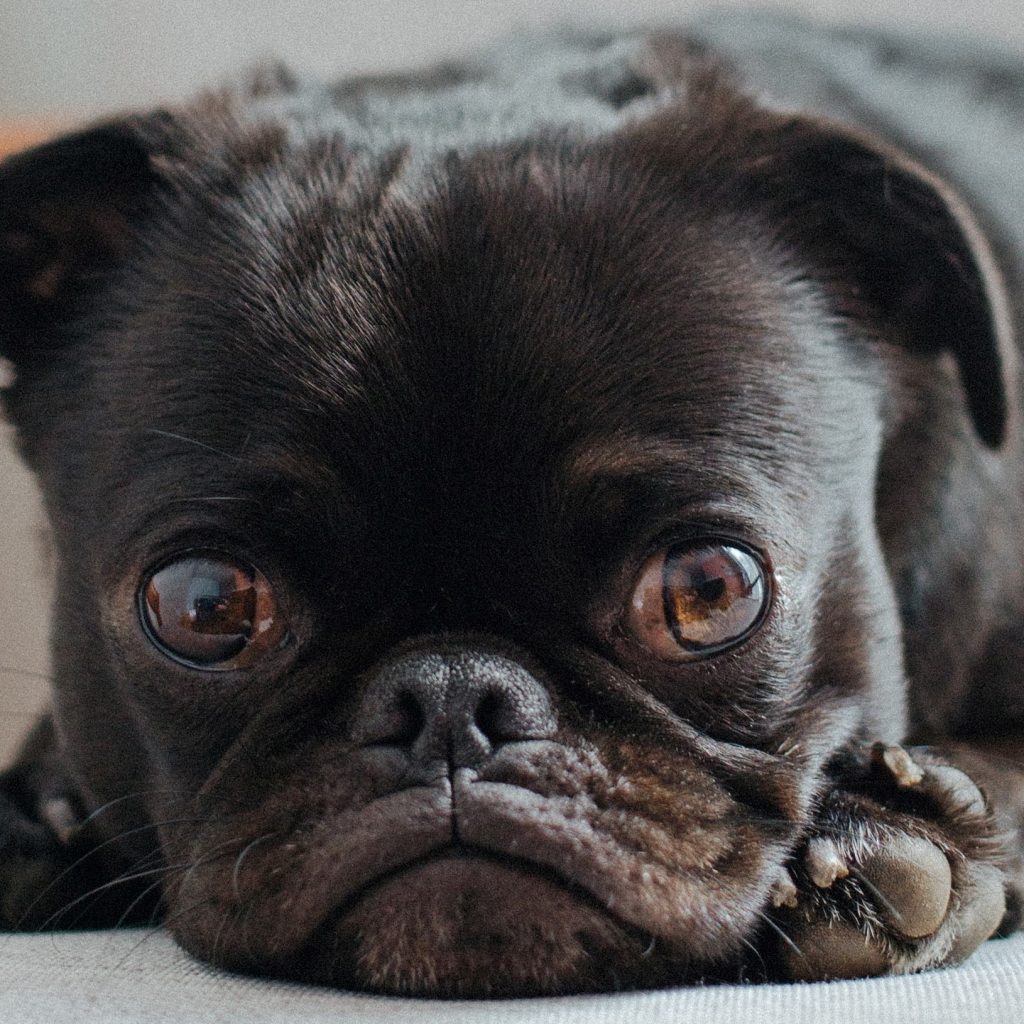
(900, 244)
(68, 213)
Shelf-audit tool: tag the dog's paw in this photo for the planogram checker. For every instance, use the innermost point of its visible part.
(899, 874)
(41, 848)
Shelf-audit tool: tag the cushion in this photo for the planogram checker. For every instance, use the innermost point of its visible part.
(141, 977)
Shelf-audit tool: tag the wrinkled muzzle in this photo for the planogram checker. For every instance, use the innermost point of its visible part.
(474, 833)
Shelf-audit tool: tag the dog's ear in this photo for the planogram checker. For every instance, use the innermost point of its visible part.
(69, 210)
(898, 242)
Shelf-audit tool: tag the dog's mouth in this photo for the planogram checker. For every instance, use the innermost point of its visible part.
(475, 887)
(462, 922)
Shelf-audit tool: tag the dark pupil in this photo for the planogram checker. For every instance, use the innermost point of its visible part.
(708, 589)
(216, 607)
(201, 610)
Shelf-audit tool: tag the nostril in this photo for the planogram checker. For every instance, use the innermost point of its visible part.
(400, 724)
(489, 718)
(409, 719)
(507, 711)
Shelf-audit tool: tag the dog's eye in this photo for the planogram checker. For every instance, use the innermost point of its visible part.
(211, 613)
(696, 599)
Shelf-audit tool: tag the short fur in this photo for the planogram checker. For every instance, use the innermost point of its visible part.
(448, 357)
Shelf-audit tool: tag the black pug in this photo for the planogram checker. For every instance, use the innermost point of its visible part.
(506, 519)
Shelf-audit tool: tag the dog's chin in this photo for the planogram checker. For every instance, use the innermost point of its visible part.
(462, 925)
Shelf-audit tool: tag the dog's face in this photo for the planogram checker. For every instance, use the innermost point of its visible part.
(469, 565)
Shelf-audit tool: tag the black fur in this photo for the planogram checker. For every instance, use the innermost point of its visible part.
(448, 358)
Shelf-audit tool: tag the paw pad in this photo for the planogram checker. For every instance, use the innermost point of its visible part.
(911, 882)
(832, 951)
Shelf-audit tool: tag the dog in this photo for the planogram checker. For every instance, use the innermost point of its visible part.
(548, 524)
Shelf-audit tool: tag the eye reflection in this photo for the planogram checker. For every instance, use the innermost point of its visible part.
(698, 598)
(209, 612)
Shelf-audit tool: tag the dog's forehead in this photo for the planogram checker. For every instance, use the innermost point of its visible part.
(440, 334)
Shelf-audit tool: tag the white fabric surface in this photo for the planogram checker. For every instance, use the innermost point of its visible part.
(139, 977)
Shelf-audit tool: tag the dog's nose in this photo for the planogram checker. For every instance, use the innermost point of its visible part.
(453, 706)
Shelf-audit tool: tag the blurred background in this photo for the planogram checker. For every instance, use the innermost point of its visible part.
(72, 58)
(62, 61)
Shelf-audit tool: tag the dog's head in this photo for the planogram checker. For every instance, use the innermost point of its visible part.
(468, 561)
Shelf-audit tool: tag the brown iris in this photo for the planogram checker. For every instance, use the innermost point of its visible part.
(698, 598)
(210, 612)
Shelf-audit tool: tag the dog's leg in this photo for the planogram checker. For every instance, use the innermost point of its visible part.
(910, 864)
(52, 874)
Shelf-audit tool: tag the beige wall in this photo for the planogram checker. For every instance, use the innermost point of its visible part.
(23, 600)
(23, 588)
(64, 59)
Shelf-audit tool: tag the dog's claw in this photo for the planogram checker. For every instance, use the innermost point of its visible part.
(899, 764)
(784, 891)
(824, 862)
